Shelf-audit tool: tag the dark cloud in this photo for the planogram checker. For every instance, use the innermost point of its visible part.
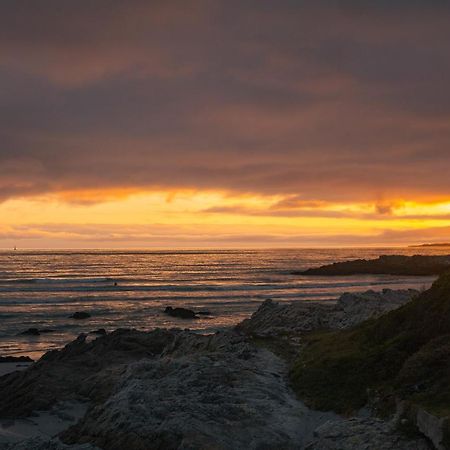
(380, 212)
(338, 100)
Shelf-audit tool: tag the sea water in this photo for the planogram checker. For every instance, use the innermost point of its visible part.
(130, 289)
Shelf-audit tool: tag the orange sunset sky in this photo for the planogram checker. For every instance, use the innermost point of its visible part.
(224, 123)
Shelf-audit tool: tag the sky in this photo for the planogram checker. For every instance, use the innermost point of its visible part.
(224, 123)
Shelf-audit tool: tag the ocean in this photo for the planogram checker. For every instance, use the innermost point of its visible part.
(130, 289)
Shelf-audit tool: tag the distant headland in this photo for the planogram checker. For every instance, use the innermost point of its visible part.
(438, 244)
(417, 265)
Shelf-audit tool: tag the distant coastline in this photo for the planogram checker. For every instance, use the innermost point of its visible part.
(439, 244)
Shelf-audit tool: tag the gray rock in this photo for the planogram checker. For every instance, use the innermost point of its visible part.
(31, 332)
(166, 389)
(45, 444)
(82, 369)
(209, 400)
(363, 434)
(433, 427)
(354, 308)
(275, 319)
(80, 315)
(181, 313)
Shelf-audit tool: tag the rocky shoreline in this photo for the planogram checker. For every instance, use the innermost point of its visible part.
(417, 265)
(274, 319)
(175, 389)
(169, 389)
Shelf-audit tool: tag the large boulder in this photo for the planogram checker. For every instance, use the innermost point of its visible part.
(31, 332)
(181, 313)
(165, 389)
(80, 315)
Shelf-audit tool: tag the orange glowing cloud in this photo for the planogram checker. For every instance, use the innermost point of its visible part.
(194, 219)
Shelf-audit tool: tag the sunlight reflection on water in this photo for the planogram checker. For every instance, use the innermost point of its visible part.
(130, 289)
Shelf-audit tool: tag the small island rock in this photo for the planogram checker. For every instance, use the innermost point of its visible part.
(31, 332)
(182, 313)
(80, 315)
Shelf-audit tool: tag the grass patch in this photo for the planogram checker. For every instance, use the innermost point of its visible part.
(395, 353)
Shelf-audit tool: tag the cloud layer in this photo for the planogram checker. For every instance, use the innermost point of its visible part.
(330, 101)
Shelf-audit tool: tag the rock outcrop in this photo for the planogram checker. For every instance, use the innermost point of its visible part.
(173, 389)
(181, 313)
(45, 444)
(184, 313)
(213, 399)
(80, 315)
(363, 434)
(354, 308)
(420, 265)
(35, 332)
(165, 389)
(81, 370)
(275, 319)
(31, 332)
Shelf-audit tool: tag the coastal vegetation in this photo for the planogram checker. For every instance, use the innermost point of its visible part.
(403, 355)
